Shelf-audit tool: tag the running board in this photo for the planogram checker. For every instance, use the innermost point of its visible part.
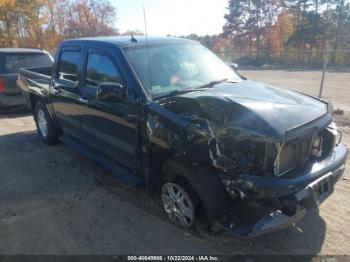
(114, 168)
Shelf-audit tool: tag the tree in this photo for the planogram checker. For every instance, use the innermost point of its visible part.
(239, 27)
(339, 37)
(249, 22)
(9, 22)
(43, 23)
(134, 32)
(91, 18)
(284, 28)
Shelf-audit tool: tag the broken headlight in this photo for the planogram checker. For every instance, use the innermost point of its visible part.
(246, 156)
(335, 132)
(316, 146)
(324, 141)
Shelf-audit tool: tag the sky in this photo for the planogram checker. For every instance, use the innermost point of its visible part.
(174, 17)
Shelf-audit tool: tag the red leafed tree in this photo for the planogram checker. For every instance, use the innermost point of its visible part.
(91, 18)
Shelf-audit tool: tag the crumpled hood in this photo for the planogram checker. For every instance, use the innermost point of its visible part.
(253, 109)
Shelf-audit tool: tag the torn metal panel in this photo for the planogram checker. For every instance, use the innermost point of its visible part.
(164, 137)
(273, 221)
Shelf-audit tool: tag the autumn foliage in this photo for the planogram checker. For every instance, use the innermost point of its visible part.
(43, 23)
(281, 26)
(283, 32)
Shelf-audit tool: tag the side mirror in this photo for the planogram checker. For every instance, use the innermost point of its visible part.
(234, 66)
(110, 92)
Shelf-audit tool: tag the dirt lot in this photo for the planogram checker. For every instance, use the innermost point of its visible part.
(53, 201)
(336, 85)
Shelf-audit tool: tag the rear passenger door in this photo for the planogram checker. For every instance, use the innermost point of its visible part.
(109, 127)
(65, 89)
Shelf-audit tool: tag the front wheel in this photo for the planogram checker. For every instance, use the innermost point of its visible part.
(47, 131)
(179, 203)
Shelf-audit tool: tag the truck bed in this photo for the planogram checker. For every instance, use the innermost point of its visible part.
(34, 80)
(41, 72)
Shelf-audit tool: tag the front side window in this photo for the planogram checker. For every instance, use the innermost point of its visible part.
(100, 69)
(174, 67)
(69, 66)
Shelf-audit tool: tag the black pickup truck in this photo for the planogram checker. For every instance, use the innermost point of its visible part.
(11, 60)
(167, 114)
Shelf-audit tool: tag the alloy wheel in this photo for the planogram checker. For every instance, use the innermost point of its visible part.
(178, 205)
(42, 123)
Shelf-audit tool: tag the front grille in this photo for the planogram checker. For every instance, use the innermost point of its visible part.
(291, 154)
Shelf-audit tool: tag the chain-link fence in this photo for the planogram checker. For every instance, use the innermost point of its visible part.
(324, 74)
(305, 58)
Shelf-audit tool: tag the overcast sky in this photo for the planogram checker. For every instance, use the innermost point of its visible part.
(175, 17)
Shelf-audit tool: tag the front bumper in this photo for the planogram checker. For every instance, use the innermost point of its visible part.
(313, 188)
(267, 187)
(266, 224)
(11, 100)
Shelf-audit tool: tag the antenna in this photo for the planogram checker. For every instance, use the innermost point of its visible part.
(147, 47)
(145, 22)
(133, 39)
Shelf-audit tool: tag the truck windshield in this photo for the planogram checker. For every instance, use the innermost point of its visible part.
(177, 67)
(13, 62)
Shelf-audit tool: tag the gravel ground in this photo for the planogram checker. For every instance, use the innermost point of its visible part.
(336, 84)
(54, 201)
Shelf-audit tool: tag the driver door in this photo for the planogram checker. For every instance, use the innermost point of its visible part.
(109, 127)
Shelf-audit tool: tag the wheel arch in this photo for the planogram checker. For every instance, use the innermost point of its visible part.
(205, 183)
(52, 136)
(32, 101)
(156, 158)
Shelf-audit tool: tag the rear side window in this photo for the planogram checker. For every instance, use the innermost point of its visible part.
(69, 66)
(100, 69)
(13, 62)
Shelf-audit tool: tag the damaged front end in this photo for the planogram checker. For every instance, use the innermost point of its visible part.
(281, 180)
(281, 160)
(270, 156)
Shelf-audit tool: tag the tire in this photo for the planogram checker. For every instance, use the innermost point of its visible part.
(207, 192)
(182, 205)
(47, 131)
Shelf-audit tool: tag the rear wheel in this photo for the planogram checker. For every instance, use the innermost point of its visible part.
(47, 131)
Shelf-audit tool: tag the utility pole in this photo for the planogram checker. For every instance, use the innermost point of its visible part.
(325, 63)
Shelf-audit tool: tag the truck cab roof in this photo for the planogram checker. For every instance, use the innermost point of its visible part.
(136, 40)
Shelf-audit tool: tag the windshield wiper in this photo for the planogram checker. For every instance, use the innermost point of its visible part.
(187, 90)
(176, 92)
(213, 83)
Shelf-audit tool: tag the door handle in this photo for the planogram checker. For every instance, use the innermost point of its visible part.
(83, 100)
